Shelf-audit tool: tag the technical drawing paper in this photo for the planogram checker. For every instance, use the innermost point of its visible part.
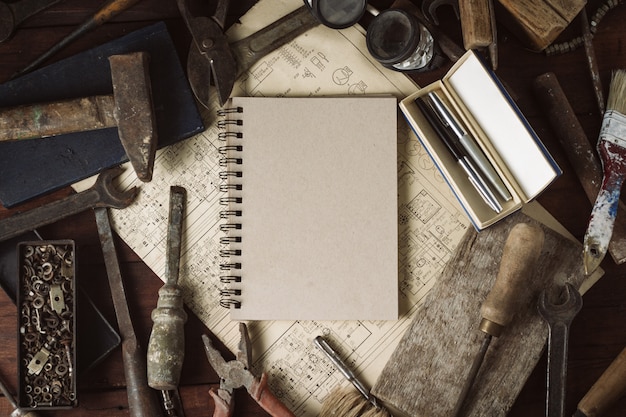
(322, 61)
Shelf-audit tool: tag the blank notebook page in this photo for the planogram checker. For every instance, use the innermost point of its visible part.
(319, 230)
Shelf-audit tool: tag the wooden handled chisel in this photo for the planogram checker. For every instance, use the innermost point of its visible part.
(612, 149)
(519, 258)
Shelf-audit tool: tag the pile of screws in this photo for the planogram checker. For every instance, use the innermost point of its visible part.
(47, 321)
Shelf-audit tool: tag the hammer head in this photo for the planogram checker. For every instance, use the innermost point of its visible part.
(134, 112)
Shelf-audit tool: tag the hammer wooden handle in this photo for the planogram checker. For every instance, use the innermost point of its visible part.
(610, 387)
(476, 21)
(519, 257)
(51, 119)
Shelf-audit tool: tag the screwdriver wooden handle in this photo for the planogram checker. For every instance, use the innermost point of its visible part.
(519, 257)
(476, 23)
(610, 387)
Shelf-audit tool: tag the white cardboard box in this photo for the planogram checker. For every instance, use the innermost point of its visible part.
(479, 101)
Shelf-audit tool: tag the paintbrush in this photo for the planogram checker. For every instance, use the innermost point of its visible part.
(612, 149)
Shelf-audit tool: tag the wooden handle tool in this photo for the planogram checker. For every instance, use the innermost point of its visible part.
(519, 257)
(478, 25)
(610, 387)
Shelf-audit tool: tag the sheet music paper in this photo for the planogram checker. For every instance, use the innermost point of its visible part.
(323, 61)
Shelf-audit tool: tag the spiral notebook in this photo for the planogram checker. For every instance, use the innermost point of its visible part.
(310, 208)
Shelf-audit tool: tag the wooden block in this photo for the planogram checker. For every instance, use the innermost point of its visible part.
(476, 23)
(539, 22)
(425, 374)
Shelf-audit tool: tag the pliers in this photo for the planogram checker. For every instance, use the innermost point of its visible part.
(209, 54)
(236, 374)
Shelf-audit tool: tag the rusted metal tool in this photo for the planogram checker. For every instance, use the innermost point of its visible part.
(106, 13)
(129, 108)
(610, 387)
(519, 257)
(14, 13)
(579, 151)
(559, 317)
(17, 412)
(236, 374)
(166, 347)
(102, 194)
(209, 56)
(214, 58)
(429, 8)
(592, 62)
(142, 400)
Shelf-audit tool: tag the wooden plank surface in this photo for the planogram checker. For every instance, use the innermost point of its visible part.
(426, 373)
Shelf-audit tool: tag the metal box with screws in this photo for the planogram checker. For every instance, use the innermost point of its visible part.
(47, 323)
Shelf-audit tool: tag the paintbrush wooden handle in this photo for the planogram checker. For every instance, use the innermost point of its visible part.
(476, 23)
(602, 219)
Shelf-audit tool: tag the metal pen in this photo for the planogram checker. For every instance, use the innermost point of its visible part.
(469, 145)
(473, 175)
(343, 368)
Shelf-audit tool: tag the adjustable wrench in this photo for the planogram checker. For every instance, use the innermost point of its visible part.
(559, 318)
(101, 194)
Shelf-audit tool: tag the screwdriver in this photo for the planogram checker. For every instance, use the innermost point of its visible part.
(17, 412)
(166, 347)
(519, 256)
(106, 13)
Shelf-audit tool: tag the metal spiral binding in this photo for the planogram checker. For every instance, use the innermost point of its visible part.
(230, 161)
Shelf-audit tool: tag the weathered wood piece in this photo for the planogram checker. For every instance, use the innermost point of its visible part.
(425, 374)
(539, 22)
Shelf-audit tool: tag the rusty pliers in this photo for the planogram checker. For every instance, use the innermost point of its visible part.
(210, 55)
(236, 374)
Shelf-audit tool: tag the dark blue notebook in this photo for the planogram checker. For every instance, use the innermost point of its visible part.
(33, 167)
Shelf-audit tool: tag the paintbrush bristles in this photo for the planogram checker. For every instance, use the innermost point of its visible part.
(617, 92)
(347, 402)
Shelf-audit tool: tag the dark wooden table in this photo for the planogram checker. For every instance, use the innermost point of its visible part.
(598, 333)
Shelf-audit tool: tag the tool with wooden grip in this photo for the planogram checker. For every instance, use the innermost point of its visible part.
(106, 13)
(579, 151)
(519, 257)
(612, 149)
(166, 347)
(479, 26)
(129, 108)
(609, 388)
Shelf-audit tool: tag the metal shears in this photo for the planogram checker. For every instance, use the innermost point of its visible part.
(236, 374)
(210, 55)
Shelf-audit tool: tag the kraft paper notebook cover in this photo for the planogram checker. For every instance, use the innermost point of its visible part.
(310, 208)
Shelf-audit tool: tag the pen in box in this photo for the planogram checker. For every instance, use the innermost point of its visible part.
(464, 161)
(469, 145)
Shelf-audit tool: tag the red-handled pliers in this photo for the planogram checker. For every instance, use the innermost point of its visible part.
(235, 374)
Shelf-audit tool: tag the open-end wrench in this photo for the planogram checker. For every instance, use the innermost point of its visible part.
(102, 194)
(429, 8)
(559, 318)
